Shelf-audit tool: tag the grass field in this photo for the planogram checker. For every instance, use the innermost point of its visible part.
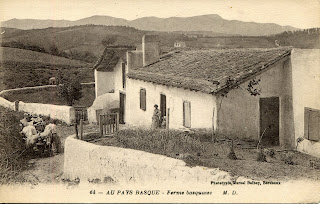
(21, 68)
(15, 55)
(49, 96)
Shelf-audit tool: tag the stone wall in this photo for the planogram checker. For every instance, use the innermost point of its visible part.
(88, 161)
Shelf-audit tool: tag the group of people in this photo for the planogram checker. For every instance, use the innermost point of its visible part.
(157, 120)
(34, 128)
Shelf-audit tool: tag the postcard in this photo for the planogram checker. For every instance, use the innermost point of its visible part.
(175, 101)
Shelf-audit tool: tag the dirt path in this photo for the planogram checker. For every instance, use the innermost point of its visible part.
(50, 169)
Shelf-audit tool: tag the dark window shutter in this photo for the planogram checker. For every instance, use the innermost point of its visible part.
(143, 99)
(314, 125)
(123, 75)
(187, 114)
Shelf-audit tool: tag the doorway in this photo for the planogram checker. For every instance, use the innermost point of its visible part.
(163, 106)
(122, 108)
(269, 121)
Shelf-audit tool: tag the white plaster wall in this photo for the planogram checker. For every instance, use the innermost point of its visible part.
(118, 78)
(104, 82)
(89, 161)
(309, 147)
(63, 113)
(7, 104)
(306, 84)
(239, 115)
(306, 92)
(202, 105)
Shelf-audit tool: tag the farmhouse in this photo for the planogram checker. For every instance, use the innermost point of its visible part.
(241, 93)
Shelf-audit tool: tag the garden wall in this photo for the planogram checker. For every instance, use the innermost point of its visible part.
(7, 104)
(88, 161)
(63, 113)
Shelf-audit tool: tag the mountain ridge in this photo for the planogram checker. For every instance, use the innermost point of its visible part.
(208, 22)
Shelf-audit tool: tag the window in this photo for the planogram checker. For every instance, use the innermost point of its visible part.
(312, 124)
(187, 114)
(143, 104)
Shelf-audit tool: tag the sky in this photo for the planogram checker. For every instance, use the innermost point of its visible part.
(297, 13)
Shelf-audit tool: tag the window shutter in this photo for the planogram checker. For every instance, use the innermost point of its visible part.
(314, 125)
(187, 114)
(143, 99)
(123, 75)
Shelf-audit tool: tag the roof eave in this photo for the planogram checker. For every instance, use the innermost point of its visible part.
(254, 74)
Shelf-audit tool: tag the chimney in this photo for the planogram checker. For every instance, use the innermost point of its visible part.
(134, 59)
(150, 49)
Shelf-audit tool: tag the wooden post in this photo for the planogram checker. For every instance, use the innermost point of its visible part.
(81, 129)
(213, 135)
(167, 119)
(76, 129)
(117, 122)
(101, 125)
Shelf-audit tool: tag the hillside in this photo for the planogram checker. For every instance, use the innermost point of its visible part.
(13, 55)
(79, 38)
(20, 68)
(213, 23)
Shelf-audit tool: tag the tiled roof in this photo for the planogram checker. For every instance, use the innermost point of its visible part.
(208, 70)
(110, 57)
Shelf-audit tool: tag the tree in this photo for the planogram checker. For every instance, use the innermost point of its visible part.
(69, 88)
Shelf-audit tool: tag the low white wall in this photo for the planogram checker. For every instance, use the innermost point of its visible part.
(63, 113)
(89, 161)
(309, 147)
(7, 104)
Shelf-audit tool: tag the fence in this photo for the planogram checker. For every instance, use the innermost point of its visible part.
(109, 124)
(80, 113)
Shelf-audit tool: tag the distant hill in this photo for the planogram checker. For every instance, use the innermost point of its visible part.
(85, 38)
(307, 38)
(213, 23)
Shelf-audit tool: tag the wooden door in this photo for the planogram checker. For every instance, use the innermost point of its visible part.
(269, 121)
(163, 105)
(122, 108)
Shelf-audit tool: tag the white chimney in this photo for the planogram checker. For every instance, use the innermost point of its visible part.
(150, 49)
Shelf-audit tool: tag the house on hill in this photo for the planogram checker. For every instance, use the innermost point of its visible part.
(241, 93)
(180, 44)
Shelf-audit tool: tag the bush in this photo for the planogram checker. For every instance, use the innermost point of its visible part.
(261, 156)
(12, 161)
